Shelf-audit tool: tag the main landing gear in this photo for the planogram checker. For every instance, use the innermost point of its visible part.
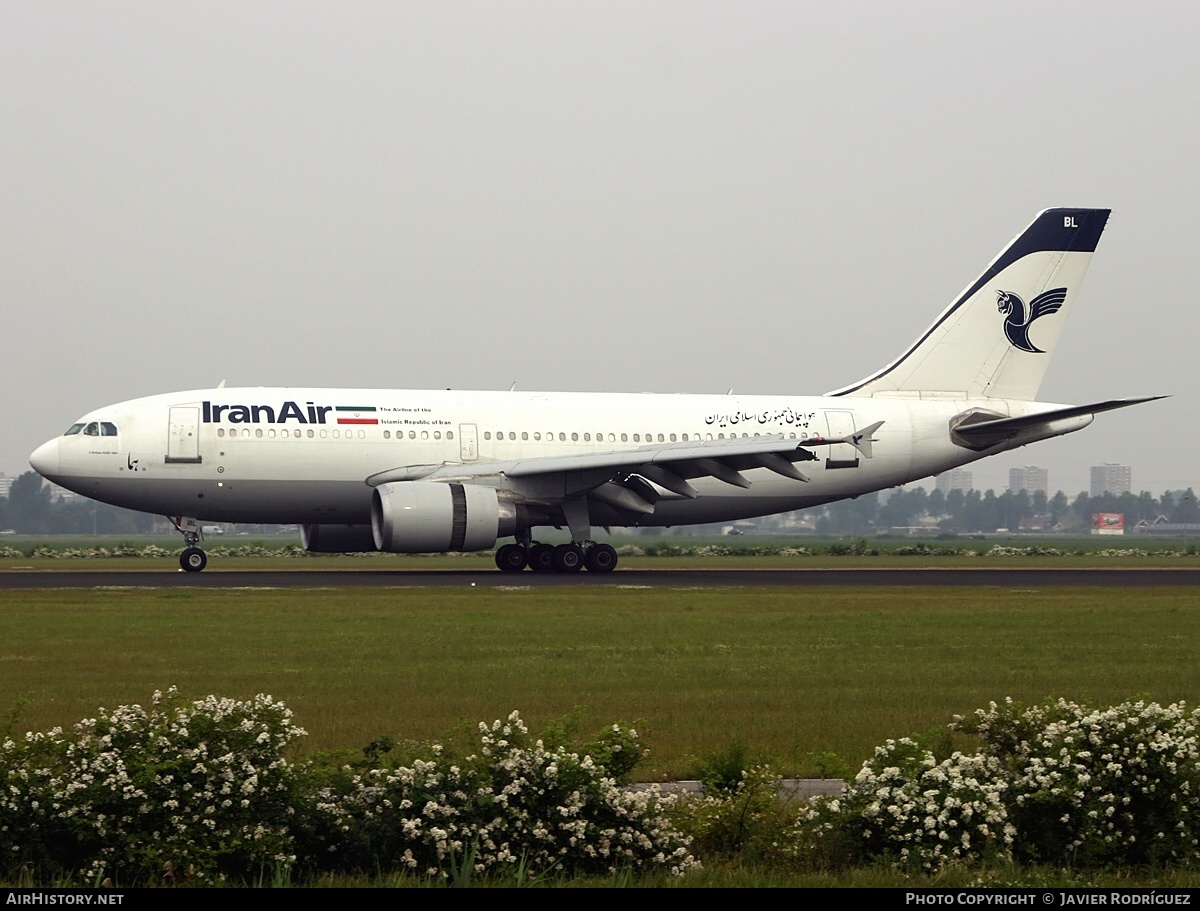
(193, 559)
(581, 553)
(565, 558)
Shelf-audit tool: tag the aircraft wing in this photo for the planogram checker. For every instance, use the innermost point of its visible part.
(669, 465)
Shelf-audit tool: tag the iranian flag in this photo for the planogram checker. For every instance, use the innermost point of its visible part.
(356, 414)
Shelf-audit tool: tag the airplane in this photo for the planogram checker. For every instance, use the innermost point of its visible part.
(435, 471)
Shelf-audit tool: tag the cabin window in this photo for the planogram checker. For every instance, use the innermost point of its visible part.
(524, 435)
(587, 437)
(637, 437)
(672, 437)
(271, 432)
(449, 434)
(387, 434)
(624, 438)
(437, 434)
(537, 435)
(412, 434)
(220, 431)
(337, 434)
(562, 437)
(487, 434)
(296, 433)
(512, 435)
(258, 432)
(424, 434)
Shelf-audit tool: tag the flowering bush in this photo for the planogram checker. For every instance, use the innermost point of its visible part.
(1037, 550)
(1091, 787)
(203, 790)
(513, 804)
(907, 806)
(200, 787)
(748, 818)
(1059, 783)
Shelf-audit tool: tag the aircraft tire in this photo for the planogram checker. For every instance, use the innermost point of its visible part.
(601, 558)
(568, 558)
(193, 559)
(541, 558)
(511, 558)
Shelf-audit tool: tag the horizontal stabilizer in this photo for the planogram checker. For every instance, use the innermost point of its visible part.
(991, 431)
(1006, 425)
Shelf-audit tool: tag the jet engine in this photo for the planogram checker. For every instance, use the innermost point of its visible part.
(337, 539)
(421, 517)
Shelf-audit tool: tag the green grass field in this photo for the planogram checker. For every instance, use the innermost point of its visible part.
(787, 672)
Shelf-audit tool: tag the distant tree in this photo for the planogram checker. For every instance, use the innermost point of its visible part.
(29, 504)
(1058, 506)
(1186, 508)
(935, 505)
(1037, 503)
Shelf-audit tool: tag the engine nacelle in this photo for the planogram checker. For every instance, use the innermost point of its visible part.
(337, 539)
(421, 517)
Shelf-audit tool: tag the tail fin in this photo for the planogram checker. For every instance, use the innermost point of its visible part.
(987, 344)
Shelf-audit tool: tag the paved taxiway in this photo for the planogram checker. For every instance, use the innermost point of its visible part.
(702, 578)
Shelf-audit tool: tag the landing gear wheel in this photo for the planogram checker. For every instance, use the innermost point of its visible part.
(511, 558)
(568, 558)
(541, 558)
(193, 559)
(601, 558)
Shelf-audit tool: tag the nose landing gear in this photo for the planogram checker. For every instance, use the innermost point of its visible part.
(193, 559)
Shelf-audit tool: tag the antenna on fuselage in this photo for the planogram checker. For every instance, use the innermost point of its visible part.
(221, 385)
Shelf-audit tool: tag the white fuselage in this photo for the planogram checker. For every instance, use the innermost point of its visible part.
(286, 455)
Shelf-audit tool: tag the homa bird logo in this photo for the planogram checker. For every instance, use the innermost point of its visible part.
(1017, 321)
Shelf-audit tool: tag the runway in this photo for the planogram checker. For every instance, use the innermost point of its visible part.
(1022, 578)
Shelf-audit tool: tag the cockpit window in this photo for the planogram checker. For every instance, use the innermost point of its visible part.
(73, 429)
(107, 429)
(92, 430)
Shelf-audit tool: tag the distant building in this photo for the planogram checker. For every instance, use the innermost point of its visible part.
(1111, 478)
(1031, 479)
(6, 484)
(954, 479)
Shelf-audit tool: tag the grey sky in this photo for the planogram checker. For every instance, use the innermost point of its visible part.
(674, 197)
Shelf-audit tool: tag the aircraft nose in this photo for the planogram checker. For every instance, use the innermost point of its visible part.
(45, 459)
